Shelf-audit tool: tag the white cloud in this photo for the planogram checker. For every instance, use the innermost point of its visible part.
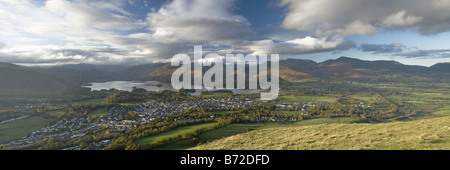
(362, 17)
(299, 46)
(198, 21)
(2, 45)
(105, 31)
(354, 28)
(92, 31)
(98, 15)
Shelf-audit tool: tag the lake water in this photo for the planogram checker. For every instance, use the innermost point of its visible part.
(149, 86)
(128, 86)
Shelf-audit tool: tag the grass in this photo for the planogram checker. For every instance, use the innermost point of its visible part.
(98, 112)
(304, 99)
(364, 98)
(225, 112)
(430, 134)
(215, 95)
(287, 112)
(180, 145)
(20, 128)
(90, 101)
(236, 129)
(227, 131)
(445, 111)
(56, 113)
(174, 133)
(324, 121)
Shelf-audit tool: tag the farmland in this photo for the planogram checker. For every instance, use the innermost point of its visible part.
(20, 128)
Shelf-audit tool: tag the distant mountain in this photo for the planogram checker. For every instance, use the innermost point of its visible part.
(441, 67)
(28, 81)
(79, 74)
(377, 71)
(343, 68)
(149, 72)
(22, 81)
(99, 68)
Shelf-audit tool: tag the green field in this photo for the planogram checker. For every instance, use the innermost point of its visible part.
(430, 134)
(287, 112)
(224, 112)
(364, 97)
(98, 112)
(227, 131)
(325, 121)
(20, 128)
(174, 133)
(304, 99)
(180, 145)
(445, 111)
(56, 113)
(90, 101)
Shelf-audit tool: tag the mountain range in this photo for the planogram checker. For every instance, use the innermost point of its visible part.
(17, 79)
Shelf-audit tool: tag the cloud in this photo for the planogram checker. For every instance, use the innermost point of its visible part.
(104, 32)
(436, 53)
(69, 55)
(362, 17)
(199, 21)
(98, 15)
(382, 48)
(2, 45)
(300, 46)
(109, 31)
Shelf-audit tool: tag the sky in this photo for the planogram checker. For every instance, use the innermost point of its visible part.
(55, 32)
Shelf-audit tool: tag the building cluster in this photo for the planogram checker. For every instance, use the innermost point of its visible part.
(118, 118)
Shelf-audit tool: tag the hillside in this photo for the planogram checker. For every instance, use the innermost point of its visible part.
(428, 134)
(441, 67)
(22, 81)
(343, 68)
(359, 70)
(155, 72)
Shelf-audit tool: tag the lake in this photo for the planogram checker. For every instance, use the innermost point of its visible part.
(149, 86)
(128, 86)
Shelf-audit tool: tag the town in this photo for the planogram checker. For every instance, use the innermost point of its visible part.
(118, 118)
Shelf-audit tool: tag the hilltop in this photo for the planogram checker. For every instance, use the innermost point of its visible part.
(427, 134)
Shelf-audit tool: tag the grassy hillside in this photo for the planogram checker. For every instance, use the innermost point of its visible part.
(174, 133)
(422, 134)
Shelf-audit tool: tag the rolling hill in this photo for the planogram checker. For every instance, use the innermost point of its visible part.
(343, 68)
(441, 67)
(427, 134)
(149, 72)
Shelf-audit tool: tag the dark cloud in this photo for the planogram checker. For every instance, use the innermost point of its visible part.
(382, 48)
